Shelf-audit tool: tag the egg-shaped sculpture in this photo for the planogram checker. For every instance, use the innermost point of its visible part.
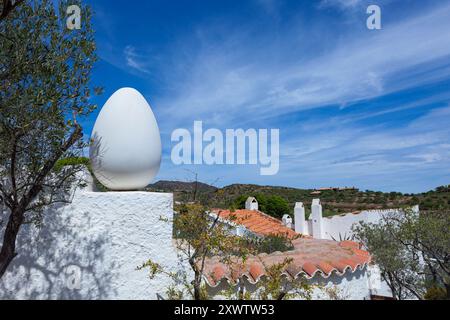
(125, 146)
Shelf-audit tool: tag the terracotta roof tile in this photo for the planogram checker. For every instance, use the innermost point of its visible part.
(218, 273)
(360, 252)
(257, 222)
(256, 271)
(339, 265)
(325, 267)
(310, 257)
(350, 244)
(310, 269)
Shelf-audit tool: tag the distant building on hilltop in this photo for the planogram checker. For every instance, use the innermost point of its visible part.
(338, 189)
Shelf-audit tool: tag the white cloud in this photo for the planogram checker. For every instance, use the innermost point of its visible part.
(340, 3)
(370, 157)
(242, 79)
(134, 60)
(237, 79)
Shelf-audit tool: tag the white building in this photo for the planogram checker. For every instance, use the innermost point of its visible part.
(339, 265)
(322, 237)
(90, 250)
(338, 227)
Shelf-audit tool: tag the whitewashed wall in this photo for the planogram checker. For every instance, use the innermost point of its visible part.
(90, 249)
(341, 225)
(352, 286)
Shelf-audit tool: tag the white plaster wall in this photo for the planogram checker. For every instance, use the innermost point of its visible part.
(99, 239)
(377, 285)
(342, 225)
(351, 286)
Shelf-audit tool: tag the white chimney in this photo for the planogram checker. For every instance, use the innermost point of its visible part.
(317, 221)
(251, 204)
(287, 221)
(300, 221)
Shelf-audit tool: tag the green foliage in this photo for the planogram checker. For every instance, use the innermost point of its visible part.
(443, 189)
(198, 237)
(274, 205)
(45, 91)
(436, 293)
(334, 201)
(73, 161)
(274, 286)
(412, 251)
(273, 243)
(80, 161)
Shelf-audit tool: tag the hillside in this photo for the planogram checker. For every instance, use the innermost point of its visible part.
(184, 191)
(333, 201)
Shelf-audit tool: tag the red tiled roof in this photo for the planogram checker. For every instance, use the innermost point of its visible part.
(310, 257)
(257, 222)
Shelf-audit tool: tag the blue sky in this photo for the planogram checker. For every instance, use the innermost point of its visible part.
(355, 107)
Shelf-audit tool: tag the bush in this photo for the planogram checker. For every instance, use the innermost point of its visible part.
(277, 207)
(274, 206)
(77, 161)
(274, 243)
(436, 293)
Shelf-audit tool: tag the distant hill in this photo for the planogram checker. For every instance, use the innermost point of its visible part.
(183, 191)
(182, 186)
(333, 201)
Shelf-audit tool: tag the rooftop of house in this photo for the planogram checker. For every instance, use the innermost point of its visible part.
(257, 222)
(309, 258)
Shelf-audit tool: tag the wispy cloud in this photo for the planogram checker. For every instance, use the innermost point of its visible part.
(354, 106)
(373, 157)
(135, 60)
(235, 77)
(340, 3)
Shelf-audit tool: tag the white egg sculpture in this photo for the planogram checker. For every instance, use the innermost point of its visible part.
(126, 147)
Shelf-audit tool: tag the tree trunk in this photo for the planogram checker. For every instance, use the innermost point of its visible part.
(8, 250)
(281, 296)
(447, 288)
(8, 7)
(197, 285)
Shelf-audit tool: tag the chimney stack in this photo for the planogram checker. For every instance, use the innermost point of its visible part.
(287, 221)
(317, 221)
(300, 221)
(251, 204)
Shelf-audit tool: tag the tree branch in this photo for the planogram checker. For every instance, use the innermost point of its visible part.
(38, 183)
(8, 7)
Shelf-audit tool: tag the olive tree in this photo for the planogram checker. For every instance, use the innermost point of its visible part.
(412, 251)
(7, 6)
(44, 91)
(200, 236)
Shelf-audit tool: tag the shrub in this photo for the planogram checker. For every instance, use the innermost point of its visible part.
(274, 243)
(436, 293)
